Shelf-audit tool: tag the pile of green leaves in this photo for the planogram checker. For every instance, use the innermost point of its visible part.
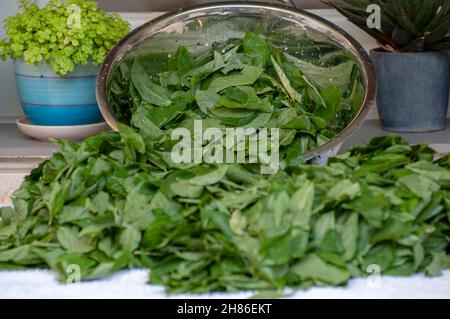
(63, 34)
(117, 201)
(244, 82)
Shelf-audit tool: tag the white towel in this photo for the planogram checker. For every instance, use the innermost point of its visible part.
(132, 284)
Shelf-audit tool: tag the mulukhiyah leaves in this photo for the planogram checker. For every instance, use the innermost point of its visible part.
(117, 200)
(224, 227)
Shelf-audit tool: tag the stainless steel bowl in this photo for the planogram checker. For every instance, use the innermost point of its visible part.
(198, 27)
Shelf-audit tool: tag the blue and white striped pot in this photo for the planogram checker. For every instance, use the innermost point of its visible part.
(50, 99)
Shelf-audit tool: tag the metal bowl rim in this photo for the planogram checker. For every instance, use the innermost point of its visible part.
(362, 57)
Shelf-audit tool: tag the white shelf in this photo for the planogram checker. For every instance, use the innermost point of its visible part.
(19, 153)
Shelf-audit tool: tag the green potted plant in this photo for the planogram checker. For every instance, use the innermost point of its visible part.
(56, 50)
(411, 64)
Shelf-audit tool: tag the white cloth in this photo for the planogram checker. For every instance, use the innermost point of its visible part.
(132, 284)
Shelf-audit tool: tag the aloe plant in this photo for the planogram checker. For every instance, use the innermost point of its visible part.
(406, 25)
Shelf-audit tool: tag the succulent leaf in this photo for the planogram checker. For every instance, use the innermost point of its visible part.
(406, 25)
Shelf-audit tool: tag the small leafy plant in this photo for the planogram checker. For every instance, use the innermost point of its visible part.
(62, 34)
(406, 25)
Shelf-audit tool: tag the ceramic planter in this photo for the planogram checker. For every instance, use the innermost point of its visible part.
(50, 99)
(412, 90)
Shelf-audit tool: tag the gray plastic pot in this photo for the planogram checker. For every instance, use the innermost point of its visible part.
(412, 90)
